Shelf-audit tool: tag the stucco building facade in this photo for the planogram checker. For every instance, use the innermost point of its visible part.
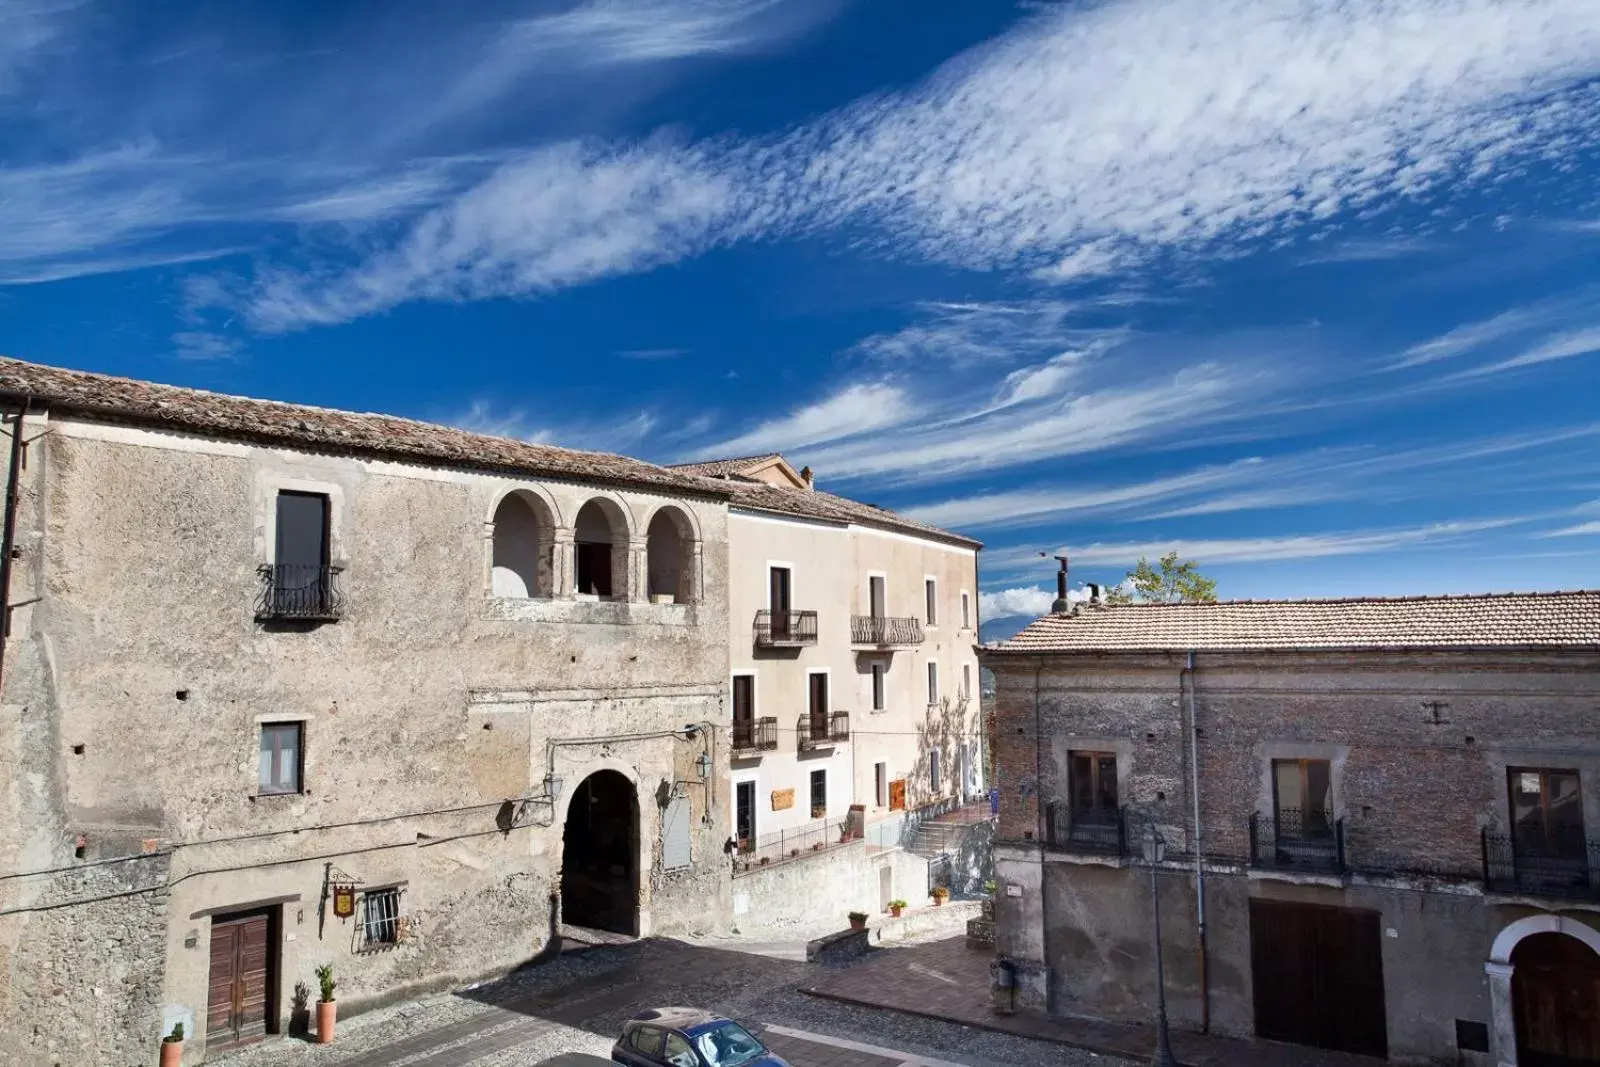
(1379, 819)
(853, 678)
(286, 686)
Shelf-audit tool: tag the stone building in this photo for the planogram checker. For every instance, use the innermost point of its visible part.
(287, 686)
(1379, 814)
(854, 682)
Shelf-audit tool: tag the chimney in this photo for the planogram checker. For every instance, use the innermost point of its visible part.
(1062, 606)
(1094, 594)
(807, 477)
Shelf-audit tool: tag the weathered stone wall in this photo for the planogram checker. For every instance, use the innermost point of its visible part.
(138, 678)
(815, 891)
(1414, 794)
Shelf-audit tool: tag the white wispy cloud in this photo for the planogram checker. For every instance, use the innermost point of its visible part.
(1561, 346)
(618, 433)
(652, 355)
(203, 345)
(853, 410)
(1086, 137)
(1574, 531)
(1266, 549)
(1027, 600)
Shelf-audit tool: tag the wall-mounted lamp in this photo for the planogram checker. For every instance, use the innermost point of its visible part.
(703, 765)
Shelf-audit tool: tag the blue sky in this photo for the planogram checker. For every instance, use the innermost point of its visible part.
(1306, 289)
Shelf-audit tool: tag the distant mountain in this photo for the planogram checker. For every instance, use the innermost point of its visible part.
(1001, 629)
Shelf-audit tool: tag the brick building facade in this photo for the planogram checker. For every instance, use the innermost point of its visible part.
(1379, 818)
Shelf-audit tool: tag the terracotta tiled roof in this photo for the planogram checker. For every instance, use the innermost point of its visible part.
(813, 503)
(1503, 620)
(108, 398)
(724, 468)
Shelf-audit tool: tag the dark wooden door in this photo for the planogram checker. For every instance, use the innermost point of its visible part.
(778, 591)
(239, 1000)
(1556, 992)
(745, 814)
(1318, 976)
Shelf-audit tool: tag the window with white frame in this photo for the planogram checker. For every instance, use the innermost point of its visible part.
(933, 683)
(966, 610)
(930, 593)
(380, 917)
(879, 685)
(966, 681)
(281, 760)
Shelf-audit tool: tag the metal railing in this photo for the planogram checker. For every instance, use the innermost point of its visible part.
(1102, 831)
(293, 591)
(814, 730)
(785, 629)
(884, 632)
(1561, 864)
(792, 844)
(755, 735)
(1310, 841)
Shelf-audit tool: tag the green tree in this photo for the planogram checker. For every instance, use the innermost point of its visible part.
(1169, 581)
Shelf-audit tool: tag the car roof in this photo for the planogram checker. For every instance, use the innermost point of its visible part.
(687, 1019)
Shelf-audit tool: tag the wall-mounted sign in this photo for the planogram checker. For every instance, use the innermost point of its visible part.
(344, 901)
(782, 799)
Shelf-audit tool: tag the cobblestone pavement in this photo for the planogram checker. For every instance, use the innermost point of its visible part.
(947, 980)
(579, 1001)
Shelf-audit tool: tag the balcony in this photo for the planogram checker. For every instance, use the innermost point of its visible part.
(1307, 842)
(1096, 831)
(1560, 864)
(883, 632)
(819, 731)
(785, 629)
(753, 736)
(291, 591)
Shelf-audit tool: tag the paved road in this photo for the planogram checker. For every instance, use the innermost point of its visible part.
(578, 1003)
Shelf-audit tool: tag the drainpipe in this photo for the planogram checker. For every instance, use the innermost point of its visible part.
(9, 538)
(1199, 849)
(1038, 803)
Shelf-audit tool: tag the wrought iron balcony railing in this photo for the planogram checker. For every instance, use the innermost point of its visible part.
(1561, 863)
(292, 591)
(785, 629)
(755, 735)
(1100, 831)
(1311, 841)
(879, 631)
(814, 731)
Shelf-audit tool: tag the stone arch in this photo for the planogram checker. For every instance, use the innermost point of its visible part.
(601, 534)
(1502, 1002)
(600, 849)
(522, 546)
(670, 540)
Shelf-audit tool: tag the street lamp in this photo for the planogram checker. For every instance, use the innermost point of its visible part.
(1155, 849)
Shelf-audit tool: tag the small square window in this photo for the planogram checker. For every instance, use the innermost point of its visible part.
(281, 757)
(380, 918)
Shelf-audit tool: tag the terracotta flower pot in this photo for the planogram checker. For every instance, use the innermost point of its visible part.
(895, 912)
(938, 902)
(171, 1053)
(858, 924)
(327, 1010)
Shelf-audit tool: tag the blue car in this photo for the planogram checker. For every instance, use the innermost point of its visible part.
(689, 1037)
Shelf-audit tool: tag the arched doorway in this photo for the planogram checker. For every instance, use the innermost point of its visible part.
(600, 855)
(1555, 993)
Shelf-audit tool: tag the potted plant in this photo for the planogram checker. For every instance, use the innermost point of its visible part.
(326, 1008)
(940, 894)
(896, 907)
(793, 852)
(990, 888)
(172, 1047)
(765, 860)
(858, 920)
(817, 846)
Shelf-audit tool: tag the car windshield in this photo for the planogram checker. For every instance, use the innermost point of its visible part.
(728, 1045)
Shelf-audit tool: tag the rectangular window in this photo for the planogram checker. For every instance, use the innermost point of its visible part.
(818, 704)
(930, 594)
(380, 917)
(878, 687)
(1302, 799)
(745, 815)
(1546, 813)
(1092, 779)
(819, 794)
(966, 610)
(880, 784)
(934, 779)
(280, 762)
(933, 683)
(779, 590)
(301, 583)
(966, 681)
(594, 568)
(877, 597)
